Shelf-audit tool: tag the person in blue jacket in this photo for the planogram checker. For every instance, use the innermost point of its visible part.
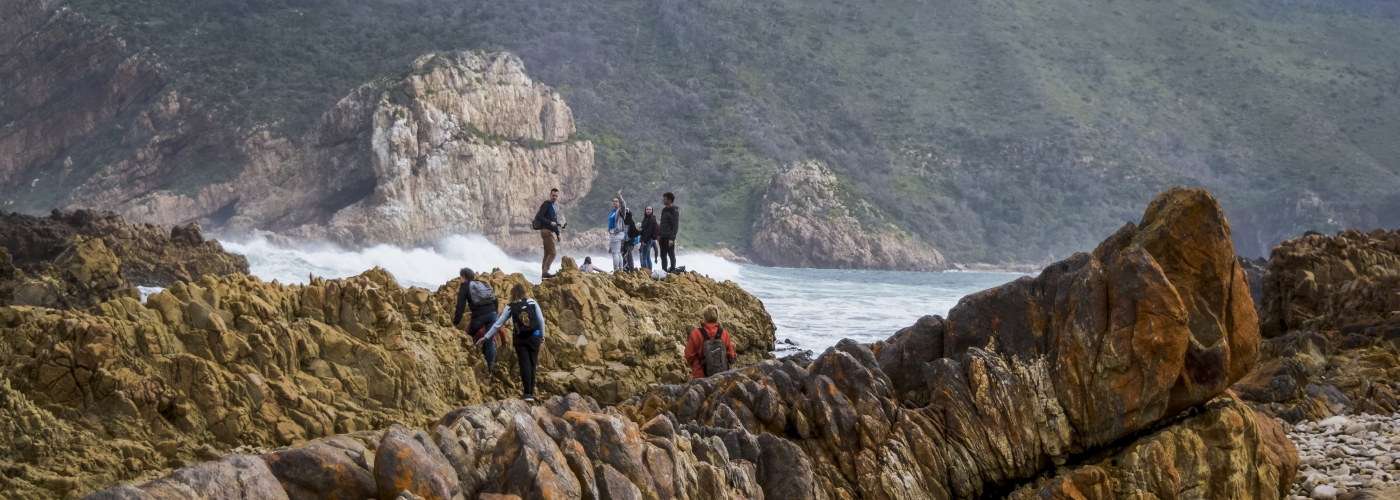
(528, 324)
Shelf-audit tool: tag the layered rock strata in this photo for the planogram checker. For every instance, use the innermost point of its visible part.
(1332, 304)
(125, 389)
(1306, 273)
(467, 142)
(1099, 368)
(805, 219)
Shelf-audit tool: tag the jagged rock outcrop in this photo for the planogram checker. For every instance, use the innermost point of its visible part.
(82, 258)
(1100, 365)
(1305, 272)
(1332, 307)
(806, 219)
(123, 389)
(467, 142)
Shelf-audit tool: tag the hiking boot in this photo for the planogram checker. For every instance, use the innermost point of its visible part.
(528, 398)
(546, 276)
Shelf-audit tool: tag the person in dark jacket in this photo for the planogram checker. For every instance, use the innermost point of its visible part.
(483, 314)
(528, 324)
(650, 231)
(548, 220)
(629, 244)
(693, 347)
(670, 227)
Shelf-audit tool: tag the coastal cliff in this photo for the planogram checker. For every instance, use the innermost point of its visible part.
(465, 142)
(805, 219)
(452, 143)
(1100, 378)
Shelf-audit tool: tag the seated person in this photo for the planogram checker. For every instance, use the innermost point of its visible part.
(588, 266)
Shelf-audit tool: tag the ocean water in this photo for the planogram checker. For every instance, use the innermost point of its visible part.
(812, 308)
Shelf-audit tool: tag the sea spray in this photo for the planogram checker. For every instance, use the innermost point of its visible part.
(812, 308)
(428, 267)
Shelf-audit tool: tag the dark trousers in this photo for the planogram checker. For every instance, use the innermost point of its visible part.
(476, 329)
(668, 249)
(527, 348)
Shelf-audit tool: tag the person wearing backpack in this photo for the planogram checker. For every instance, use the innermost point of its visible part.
(528, 324)
(547, 223)
(477, 296)
(709, 350)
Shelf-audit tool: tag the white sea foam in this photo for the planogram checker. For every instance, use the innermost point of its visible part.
(428, 267)
(812, 308)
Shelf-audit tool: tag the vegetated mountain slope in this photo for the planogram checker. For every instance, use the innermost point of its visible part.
(1007, 130)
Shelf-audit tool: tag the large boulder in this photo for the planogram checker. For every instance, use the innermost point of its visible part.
(1227, 452)
(808, 218)
(147, 254)
(235, 477)
(1158, 318)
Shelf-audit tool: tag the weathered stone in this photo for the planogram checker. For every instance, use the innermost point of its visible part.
(322, 471)
(527, 463)
(1306, 273)
(235, 477)
(230, 360)
(806, 220)
(409, 460)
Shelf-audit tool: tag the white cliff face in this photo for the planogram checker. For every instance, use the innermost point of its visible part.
(465, 142)
(804, 221)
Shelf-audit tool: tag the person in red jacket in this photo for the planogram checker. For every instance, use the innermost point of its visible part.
(693, 353)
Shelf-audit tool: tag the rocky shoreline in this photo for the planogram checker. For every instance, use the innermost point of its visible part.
(1043, 387)
(1133, 371)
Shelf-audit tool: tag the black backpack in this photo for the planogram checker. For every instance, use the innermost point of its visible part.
(480, 295)
(521, 313)
(714, 354)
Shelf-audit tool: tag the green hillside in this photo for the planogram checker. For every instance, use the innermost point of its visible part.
(998, 130)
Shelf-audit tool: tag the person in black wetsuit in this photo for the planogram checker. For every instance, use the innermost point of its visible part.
(477, 297)
(528, 324)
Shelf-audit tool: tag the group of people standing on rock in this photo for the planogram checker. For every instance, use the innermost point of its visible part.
(708, 349)
(626, 236)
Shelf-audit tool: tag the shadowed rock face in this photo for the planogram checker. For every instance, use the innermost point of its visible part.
(1086, 368)
(1306, 275)
(82, 258)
